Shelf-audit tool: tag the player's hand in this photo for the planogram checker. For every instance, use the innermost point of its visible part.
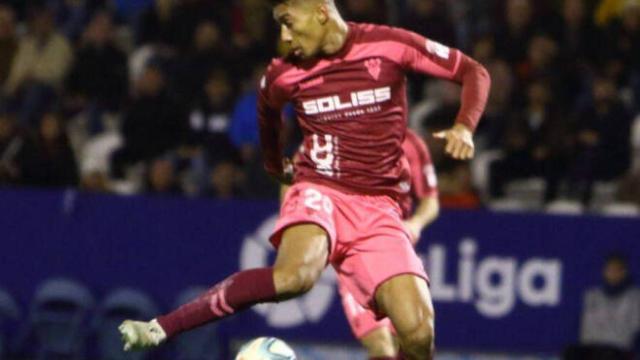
(459, 142)
(414, 230)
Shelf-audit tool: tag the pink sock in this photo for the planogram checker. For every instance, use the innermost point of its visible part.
(238, 292)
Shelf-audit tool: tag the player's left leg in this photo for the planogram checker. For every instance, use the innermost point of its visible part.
(302, 255)
(406, 300)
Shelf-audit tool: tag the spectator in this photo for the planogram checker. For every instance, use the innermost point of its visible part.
(8, 41)
(172, 23)
(129, 10)
(161, 179)
(98, 79)
(603, 139)
(226, 180)
(367, 11)
(512, 37)
(576, 55)
(210, 119)
(623, 41)
(496, 115)
(253, 30)
(243, 130)
(534, 144)
(577, 33)
(156, 24)
(53, 163)
(455, 188)
(14, 147)
(38, 69)
(94, 159)
(152, 123)
(541, 63)
(609, 10)
(188, 15)
(72, 15)
(431, 19)
(208, 51)
(610, 318)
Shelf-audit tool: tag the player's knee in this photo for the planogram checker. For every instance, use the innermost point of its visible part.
(420, 341)
(379, 344)
(292, 282)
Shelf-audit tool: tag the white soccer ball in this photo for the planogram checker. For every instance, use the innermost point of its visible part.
(266, 348)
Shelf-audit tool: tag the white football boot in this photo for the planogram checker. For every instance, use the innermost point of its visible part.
(140, 335)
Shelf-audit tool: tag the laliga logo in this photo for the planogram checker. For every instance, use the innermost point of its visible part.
(493, 283)
(311, 307)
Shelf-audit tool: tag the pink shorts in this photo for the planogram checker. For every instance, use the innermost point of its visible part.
(368, 241)
(362, 321)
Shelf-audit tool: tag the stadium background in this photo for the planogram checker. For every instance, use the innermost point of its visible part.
(129, 158)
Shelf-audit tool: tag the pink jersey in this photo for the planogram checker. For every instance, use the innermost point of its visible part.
(424, 182)
(352, 107)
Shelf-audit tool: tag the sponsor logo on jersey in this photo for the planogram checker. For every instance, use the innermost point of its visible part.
(356, 99)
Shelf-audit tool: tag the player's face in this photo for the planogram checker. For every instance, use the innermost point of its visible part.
(302, 27)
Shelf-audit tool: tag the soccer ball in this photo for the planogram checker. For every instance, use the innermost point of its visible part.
(266, 348)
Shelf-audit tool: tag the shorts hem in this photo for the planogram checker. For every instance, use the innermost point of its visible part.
(377, 326)
(374, 306)
(276, 238)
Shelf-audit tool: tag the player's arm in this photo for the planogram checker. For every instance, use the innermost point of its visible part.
(270, 121)
(426, 212)
(424, 184)
(434, 59)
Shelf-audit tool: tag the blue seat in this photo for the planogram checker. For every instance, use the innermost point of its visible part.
(201, 343)
(58, 319)
(121, 304)
(9, 313)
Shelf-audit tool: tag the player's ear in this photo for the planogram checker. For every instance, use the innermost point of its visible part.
(322, 13)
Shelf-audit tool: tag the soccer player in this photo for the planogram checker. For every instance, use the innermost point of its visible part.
(348, 86)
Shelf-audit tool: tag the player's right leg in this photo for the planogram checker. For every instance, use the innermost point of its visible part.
(302, 255)
(406, 300)
(380, 344)
(376, 336)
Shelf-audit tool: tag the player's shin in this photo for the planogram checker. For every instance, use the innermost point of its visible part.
(237, 292)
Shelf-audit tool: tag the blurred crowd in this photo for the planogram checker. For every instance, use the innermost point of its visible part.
(159, 96)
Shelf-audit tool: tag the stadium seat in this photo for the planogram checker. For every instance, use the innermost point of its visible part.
(604, 193)
(564, 207)
(508, 205)
(121, 304)
(9, 312)
(530, 191)
(202, 343)
(621, 210)
(58, 319)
